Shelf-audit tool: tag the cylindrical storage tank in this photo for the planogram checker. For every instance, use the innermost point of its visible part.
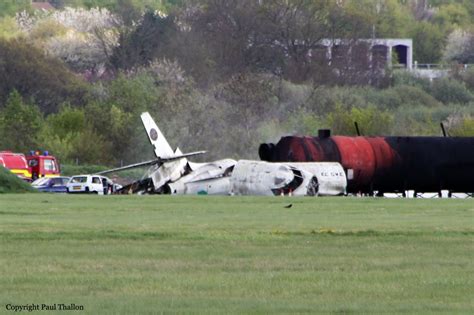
(430, 164)
(387, 172)
(358, 159)
(389, 164)
(354, 154)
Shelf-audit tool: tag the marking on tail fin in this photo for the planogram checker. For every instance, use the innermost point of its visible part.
(160, 145)
(153, 134)
(162, 149)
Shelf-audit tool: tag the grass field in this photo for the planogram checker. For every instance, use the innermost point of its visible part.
(154, 254)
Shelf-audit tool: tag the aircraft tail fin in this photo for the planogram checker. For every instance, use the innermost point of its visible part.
(162, 149)
(160, 144)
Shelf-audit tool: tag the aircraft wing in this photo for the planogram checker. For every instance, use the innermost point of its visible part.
(130, 166)
(151, 162)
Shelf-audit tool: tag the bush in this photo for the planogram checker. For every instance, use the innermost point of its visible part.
(371, 120)
(387, 99)
(299, 122)
(403, 77)
(10, 183)
(468, 78)
(415, 96)
(325, 100)
(465, 128)
(401, 95)
(291, 96)
(415, 121)
(8, 28)
(451, 91)
(424, 121)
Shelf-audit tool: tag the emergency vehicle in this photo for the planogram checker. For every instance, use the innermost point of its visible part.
(32, 166)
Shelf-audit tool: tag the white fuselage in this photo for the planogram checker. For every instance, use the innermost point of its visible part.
(244, 177)
(172, 173)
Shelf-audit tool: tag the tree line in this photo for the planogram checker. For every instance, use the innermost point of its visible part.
(221, 75)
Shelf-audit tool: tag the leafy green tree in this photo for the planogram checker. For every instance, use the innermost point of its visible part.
(21, 124)
(67, 135)
(59, 131)
(81, 38)
(67, 120)
(59, 145)
(460, 47)
(453, 15)
(10, 7)
(140, 5)
(115, 113)
(429, 41)
(388, 18)
(89, 147)
(145, 43)
(26, 69)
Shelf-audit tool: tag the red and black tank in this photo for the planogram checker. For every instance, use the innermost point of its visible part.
(385, 164)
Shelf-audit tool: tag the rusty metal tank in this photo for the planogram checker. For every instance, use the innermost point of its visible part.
(385, 164)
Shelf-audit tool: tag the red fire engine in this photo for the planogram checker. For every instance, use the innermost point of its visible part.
(32, 166)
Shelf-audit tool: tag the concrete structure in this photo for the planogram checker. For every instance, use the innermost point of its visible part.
(380, 50)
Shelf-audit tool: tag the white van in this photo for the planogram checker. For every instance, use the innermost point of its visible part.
(90, 184)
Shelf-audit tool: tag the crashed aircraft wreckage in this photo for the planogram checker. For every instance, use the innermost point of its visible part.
(172, 173)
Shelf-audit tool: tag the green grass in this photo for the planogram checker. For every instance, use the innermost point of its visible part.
(154, 254)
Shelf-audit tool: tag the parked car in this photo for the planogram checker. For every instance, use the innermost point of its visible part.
(51, 184)
(93, 184)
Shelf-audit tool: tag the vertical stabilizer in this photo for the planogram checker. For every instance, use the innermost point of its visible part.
(160, 145)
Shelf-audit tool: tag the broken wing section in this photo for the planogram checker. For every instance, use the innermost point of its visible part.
(165, 173)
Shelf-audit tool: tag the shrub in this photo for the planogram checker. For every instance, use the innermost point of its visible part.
(403, 77)
(414, 121)
(424, 121)
(465, 128)
(468, 78)
(451, 91)
(410, 95)
(388, 98)
(371, 120)
(325, 100)
(10, 183)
